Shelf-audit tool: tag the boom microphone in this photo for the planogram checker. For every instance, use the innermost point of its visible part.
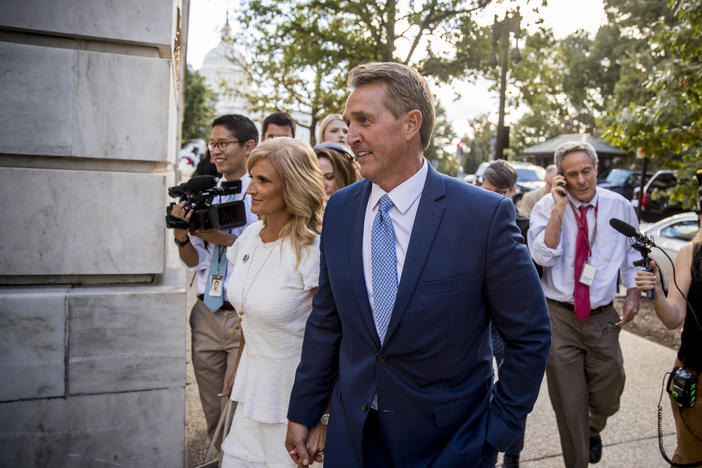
(628, 230)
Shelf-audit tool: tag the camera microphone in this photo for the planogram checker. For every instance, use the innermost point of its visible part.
(200, 183)
(628, 230)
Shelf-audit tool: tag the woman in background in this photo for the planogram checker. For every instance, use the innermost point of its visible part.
(275, 270)
(338, 166)
(333, 129)
(673, 311)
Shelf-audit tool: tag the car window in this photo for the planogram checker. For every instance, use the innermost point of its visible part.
(663, 181)
(617, 177)
(529, 175)
(683, 230)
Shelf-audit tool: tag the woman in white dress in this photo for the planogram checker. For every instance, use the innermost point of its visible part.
(275, 270)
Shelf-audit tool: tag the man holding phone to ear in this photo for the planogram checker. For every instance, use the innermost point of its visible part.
(582, 255)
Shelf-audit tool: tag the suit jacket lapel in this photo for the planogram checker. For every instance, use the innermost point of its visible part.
(426, 223)
(356, 259)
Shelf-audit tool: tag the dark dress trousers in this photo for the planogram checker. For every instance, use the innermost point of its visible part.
(466, 265)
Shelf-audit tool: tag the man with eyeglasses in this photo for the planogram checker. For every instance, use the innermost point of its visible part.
(278, 124)
(213, 320)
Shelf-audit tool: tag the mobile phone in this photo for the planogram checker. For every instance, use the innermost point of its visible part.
(561, 184)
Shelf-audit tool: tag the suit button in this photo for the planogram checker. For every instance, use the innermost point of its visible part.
(364, 407)
(381, 358)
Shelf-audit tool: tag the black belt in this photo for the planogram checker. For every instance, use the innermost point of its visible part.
(226, 306)
(571, 307)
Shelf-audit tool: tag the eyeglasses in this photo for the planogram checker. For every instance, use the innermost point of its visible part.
(337, 147)
(221, 145)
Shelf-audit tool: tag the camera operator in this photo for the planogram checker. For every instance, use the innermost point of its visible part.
(673, 312)
(582, 255)
(213, 321)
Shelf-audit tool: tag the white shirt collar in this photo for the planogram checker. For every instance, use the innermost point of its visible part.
(577, 203)
(404, 194)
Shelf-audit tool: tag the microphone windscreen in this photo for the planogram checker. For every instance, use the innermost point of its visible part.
(200, 183)
(625, 228)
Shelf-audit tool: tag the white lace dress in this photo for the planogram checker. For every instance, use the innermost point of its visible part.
(273, 295)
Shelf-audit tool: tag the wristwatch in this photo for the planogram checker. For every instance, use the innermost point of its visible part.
(182, 244)
(324, 420)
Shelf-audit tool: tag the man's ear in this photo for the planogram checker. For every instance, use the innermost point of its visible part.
(412, 122)
(249, 146)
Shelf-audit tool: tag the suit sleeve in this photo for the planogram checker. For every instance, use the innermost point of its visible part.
(318, 366)
(516, 302)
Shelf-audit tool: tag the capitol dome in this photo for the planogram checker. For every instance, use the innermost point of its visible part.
(227, 78)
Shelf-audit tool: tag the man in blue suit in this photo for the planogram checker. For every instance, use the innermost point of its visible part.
(414, 266)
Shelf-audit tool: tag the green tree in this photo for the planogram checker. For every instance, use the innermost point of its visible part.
(300, 51)
(199, 106)
(437, 152)
(568, 85)
(668, 126)
(479, 144)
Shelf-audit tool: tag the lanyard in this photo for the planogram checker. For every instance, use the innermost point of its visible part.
(581, 221)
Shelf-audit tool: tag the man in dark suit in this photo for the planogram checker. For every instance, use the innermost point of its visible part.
(414, 266)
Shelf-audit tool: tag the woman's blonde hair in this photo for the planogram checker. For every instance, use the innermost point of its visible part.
(302, 188)
(325, 123)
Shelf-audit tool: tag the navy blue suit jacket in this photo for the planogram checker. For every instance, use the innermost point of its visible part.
(466, 265)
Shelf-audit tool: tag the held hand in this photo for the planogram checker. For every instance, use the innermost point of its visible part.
(215, 236)
(647, 280)
(296, 442)
(631, 307)
(316, 442)
(559, 192)
(228, 388)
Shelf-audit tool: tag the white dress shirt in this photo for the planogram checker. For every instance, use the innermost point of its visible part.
(205, 252)
(611, 250)
(405, 197)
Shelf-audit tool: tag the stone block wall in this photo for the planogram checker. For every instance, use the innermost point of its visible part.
(92, 319)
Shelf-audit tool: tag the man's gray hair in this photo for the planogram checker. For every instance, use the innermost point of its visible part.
(406, 90)
(568, 147)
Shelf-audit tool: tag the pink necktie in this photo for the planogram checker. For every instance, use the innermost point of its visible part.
(581, 293)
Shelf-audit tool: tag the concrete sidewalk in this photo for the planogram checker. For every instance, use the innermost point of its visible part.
(631, 436)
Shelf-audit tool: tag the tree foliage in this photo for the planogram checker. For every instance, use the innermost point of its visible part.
(436, 153)
(478, 145)
(298, 52)
(668, 126)
(199, 107)
(568, 85)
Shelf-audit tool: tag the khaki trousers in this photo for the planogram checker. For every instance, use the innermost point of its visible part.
(215, 344)
(585, 375)
(689, 449)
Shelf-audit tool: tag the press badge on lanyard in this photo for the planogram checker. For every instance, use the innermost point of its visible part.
(216, 285)
(587, 275)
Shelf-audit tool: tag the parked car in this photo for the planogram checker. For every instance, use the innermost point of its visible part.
(478, 176)
(622, 181)
(654, 208)
(670, 235)
(529, 177)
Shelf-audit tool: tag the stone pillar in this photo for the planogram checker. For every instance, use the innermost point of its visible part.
(92, 320)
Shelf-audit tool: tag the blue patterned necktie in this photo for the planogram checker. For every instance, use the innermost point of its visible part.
(218, 266)
(384, 266)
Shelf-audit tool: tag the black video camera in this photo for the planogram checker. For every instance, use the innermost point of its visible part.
(198, 194)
